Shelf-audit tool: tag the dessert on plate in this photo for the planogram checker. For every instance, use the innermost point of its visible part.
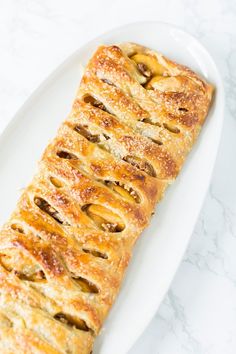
(65, 248)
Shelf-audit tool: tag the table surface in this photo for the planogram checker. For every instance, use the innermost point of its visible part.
(198, 314)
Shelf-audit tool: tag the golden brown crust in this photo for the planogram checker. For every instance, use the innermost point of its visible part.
(64, 250)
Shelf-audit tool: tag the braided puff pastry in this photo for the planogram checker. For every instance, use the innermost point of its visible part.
(65, 248)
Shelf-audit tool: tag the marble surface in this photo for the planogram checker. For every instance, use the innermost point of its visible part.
(198, 315)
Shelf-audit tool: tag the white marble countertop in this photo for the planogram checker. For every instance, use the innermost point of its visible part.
(198, 315)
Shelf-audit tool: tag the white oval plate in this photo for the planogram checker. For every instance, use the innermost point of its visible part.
(161, 247)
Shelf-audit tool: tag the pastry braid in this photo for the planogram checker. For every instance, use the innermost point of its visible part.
(65, 248)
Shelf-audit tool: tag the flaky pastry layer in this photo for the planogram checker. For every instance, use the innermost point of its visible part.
(65, 248)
